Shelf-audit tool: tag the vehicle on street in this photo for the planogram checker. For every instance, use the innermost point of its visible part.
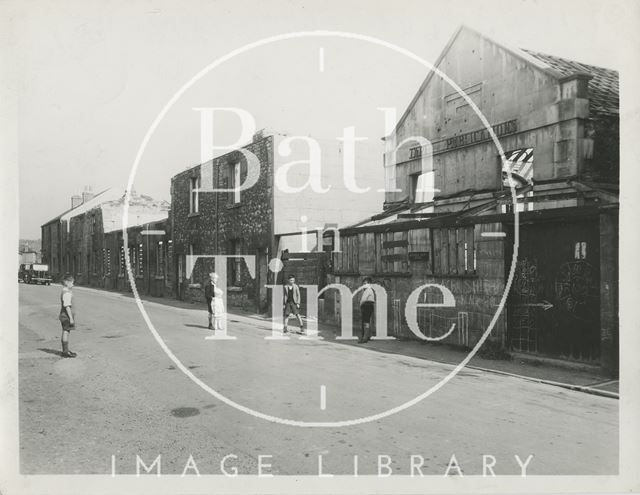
(34, 273)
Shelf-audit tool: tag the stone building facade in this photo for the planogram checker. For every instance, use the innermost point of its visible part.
(449, 215)
(87, 242)
(263, 221)
(222, 223)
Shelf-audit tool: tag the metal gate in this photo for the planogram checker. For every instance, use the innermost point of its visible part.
(553, 306)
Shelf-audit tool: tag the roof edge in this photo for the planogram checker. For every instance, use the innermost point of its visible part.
(518, 52)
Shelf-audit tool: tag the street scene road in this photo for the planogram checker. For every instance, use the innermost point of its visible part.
(123, 397)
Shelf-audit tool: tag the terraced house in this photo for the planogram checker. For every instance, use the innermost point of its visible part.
(87, 241)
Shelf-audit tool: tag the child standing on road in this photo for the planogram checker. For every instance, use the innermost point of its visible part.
(215, 306)
(291, 303)
(66, 315)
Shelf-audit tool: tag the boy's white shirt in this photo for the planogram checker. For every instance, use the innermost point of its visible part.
(67, 297)
(367, 295)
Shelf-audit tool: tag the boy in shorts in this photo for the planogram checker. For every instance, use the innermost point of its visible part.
(291, 303)
(66, 315)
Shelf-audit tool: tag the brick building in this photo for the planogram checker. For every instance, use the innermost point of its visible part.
(264, 220)
(87, 241)
(448, 215)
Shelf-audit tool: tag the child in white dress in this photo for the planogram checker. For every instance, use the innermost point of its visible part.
(215, 306)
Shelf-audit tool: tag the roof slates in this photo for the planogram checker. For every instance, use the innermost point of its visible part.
(604, 87)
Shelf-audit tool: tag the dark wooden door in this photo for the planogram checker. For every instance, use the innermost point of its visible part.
(553, 307)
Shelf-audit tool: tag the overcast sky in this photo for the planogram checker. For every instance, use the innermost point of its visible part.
(94, 75)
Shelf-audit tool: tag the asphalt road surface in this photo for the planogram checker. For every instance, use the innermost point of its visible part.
(123, 399)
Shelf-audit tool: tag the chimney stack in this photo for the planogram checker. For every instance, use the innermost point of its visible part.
(76, 200)
(87, 194)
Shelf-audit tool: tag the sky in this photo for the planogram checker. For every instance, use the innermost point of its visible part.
(93, 76)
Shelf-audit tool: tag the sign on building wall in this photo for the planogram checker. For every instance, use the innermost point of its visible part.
(467, 139)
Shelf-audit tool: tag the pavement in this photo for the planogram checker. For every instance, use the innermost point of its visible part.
(566, 374)
(124, 400)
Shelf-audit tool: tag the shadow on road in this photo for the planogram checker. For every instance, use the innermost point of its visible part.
(50, 351)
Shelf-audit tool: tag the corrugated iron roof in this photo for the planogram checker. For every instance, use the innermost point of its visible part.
(604, 87)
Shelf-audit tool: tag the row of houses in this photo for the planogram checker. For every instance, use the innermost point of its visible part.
(87, 241)
(452, 223)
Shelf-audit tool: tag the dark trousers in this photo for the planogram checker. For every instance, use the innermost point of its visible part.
(367, 311)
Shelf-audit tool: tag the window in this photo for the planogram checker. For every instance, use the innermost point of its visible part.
(132, 260)
(420, 247)
(181, 266)
(160, 259)
(194, 195)
(421, 187)
(235, 181)
(413, 187)
(367, 254)
(170, 259)
(394, 252)
(189, 264)
(520, 163)
(107, 262)
(140, 260)
(580, 251)
(236, 263)
(454, 251)
(346, 260)
(121, 262)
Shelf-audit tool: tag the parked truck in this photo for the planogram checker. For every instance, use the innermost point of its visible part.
(34, 273)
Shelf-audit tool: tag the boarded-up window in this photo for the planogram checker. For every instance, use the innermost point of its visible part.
(454, 251)
(378, 242)
(367, 252)
(394, 258)
(347, 258)
(420, 249)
